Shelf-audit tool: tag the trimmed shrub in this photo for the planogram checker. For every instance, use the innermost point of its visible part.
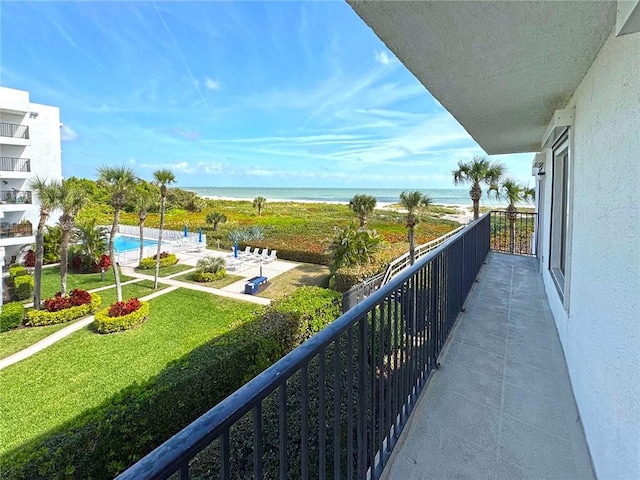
(105, 261)
(36, 318)
(22, 287)
(17, 271)
(11, 316)
(133, 313)
(166, 259)
(102, 442)
(75, 299)
(208, 276)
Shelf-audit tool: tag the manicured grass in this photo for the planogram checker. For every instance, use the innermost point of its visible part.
(165, 271)
(223, 282)
(85, 281)
(286, 283)
(15, 340)
(86, 369)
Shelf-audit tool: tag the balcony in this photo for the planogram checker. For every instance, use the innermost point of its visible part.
(15, 197)
(13, 164)
(16, 230)
(13, 130)
(451, 370)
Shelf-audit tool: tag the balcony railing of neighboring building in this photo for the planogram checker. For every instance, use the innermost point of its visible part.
(514, 233)
(13, 164)
(14, 130)
(8, 230)
(336, 405)
(15, 197)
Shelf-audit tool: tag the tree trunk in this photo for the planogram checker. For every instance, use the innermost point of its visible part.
(37, 272)
(412, 250)
(512, 215)
(215, 226)
(363, 222)
(476, 209)
(64, 260)
(141, 223)
(155, 281)
(475, 193)
(114, 264)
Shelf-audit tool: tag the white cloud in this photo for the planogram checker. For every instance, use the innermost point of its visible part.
(382, 57)
(67, 134)
(179, 167)
(210, 168)
(212, 84)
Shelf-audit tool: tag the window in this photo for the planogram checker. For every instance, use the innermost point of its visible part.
(560, 212)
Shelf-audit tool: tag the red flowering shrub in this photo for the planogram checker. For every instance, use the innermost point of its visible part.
(105, 261)
(162, 255)
(120, 309)
(76, 298)
(30, 259)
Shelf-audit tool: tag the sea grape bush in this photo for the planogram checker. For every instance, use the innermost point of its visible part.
(120, 309)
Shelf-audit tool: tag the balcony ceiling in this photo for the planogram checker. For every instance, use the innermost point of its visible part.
(500, 68)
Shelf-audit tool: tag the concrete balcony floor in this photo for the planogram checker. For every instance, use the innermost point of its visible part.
(501, 405)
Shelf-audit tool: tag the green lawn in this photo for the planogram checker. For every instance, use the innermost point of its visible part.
(85, 281)
(15, 340)
(223, 282)
(306, 274)
(165, 271)
(86, 369)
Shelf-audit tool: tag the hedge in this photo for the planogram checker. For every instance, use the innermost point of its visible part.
(22, 286)
(208, 276)
(37, 318)
(103, 323)
(11, 316)
(150, 262)
(104, 441)
(17, 271)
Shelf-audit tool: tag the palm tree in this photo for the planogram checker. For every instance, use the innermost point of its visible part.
(258, 203)
(477, 171)
(210, 264)
(412, 202)
(48, 194)
(353, 247)
(215, 218)
(143, 202)
(91, 238)
(71, 199)
(121, 181)
(363, 206)
(513, 192)
(163, 178)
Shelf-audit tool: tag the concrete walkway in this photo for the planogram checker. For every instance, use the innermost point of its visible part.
(501, 405)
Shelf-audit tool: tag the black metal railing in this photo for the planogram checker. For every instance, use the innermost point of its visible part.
(335, 406)
(14, 130)
(16, 230)
(514, 233)
(15, 196)
(13, 164)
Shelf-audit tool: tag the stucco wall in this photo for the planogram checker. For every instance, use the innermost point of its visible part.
(601, 332)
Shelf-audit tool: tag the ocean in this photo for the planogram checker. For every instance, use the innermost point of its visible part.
(443, 196)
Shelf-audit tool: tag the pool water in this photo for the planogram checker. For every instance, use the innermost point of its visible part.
(123, 243)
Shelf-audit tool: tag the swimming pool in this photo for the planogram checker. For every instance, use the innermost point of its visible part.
(123, 243)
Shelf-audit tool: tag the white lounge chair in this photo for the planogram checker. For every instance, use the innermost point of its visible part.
(272, 257)
(255, 254)
(264, 255)
(246, 253)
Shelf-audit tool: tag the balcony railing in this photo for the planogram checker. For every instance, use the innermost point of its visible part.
(15, 196)
(13, 164)
(15, 230)
(335, 406)
(514, 232)
(14, 130)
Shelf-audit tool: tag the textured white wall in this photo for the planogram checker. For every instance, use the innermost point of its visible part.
(601, 331)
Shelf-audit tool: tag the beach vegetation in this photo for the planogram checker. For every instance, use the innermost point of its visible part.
(162, 177)
(353, 247)
(476, 172)
(216, 218)
(413, 202)
(363, 206)
(259, 203)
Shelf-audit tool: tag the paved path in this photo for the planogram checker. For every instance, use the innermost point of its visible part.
(501, 405)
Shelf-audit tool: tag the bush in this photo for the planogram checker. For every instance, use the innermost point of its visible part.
(121, 316)
(75, 299)
(22, 287)
(36, 318)
(208, 276)
(210, 264)
(11, 316)
(30, 259)
(166, 259)
(105, 261)
(104, 441)
(17, 271)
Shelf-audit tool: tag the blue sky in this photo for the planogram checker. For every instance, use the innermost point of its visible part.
(299, 94)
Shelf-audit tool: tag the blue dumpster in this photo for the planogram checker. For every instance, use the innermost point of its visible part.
(255, 285)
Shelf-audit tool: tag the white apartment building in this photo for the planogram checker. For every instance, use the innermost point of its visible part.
(29, 147)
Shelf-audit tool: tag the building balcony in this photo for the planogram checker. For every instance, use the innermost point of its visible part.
(13, 164)
(451, 370)
(14, 130)
(15, 197)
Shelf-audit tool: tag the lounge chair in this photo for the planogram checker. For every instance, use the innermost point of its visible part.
(272, 257)
(246, 253)
(265, 255)
(255, 254)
